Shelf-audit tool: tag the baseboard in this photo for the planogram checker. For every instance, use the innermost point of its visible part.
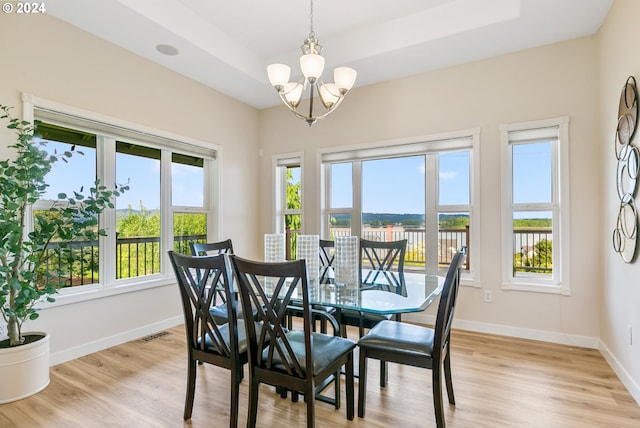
(619, 370)
(107, 342)
(526, 333)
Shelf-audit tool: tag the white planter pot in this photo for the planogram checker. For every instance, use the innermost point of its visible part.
(24, 369)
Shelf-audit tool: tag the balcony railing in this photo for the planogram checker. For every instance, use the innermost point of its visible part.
(450, 240)
(134, 257)
(141, 256)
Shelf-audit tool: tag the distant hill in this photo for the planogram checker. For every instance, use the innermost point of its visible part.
(408, 220)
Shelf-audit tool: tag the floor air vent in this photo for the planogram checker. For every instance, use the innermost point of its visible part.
(154, 336)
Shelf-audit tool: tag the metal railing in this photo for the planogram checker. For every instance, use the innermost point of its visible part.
(534, 255)
(136, 256)
(141, 256)
(450, 240)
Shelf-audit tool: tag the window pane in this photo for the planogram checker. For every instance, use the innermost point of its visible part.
(453, 234)
(187, 181)
(294, 188)
(532, 173)
(81, 265)
(292, 225)
(453, 178)
(187, 228)
(339, 225)
(532, 243)
(341, 185)
(393, 186)
(138, 211)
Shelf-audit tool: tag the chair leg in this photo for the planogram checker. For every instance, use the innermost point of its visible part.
(349, 375)
(447, 379)
(336, 387)
(236, 378)
(437, 395)
(253, 404)
(191, 388)
(362, 383)
(383, 374)
(309, 398)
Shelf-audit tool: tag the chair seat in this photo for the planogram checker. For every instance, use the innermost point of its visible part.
(326, 350)
(399, 337)
(224, 331)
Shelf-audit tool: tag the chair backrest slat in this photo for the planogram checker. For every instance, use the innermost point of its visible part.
(199, 280)
(267, 289)
(211, 248)
(382, 265)
(327, 256)
(446, 307)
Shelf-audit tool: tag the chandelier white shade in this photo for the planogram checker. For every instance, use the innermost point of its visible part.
(327, 96)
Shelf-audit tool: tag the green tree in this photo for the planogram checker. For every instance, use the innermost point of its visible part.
(139, 224)
(294, 201)
(543, 255)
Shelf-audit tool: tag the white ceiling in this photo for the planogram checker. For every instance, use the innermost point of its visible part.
(228, 44)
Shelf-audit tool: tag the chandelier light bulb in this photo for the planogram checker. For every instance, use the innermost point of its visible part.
(329, 94)
(293, 93)
(278, 74)
(344, 77)
(312, 66)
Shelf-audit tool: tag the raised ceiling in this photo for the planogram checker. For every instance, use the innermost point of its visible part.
(228, 44)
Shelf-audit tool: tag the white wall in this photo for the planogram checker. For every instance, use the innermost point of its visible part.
(52, 60)
(540, 83)
(620, 294)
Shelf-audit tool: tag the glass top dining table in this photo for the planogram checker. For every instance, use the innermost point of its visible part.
(420, 291)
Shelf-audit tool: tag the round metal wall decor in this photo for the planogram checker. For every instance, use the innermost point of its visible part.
(625, 234)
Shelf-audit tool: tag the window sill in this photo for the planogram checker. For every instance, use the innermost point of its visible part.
(537, 288)
(68, 296)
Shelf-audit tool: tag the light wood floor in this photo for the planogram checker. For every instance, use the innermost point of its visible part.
(498, 382)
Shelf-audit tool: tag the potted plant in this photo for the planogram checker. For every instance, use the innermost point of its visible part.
(25, 248)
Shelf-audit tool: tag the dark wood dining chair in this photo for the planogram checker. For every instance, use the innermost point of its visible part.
(381, 267)
(417, 346)
(218, 309)
(199, 279)
(291, 360)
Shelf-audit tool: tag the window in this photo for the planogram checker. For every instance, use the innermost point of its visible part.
(289, 199)
(422, 192)
(168, 204)
(535, 236)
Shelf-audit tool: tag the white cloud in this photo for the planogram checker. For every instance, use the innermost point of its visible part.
(448, 175)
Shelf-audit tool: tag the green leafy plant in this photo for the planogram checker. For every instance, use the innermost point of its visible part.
(25, 242)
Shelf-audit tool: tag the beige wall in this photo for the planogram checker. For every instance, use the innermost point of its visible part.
(620, 292)
(50, 59)
(541, 83)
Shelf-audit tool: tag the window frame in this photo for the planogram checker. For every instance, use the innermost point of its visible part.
(106, 128)
(428, 144)
(559, 283)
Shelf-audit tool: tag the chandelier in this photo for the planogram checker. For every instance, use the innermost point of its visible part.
(326, 95)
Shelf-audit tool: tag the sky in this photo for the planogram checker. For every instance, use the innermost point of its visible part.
(395, 185)
(142, 175)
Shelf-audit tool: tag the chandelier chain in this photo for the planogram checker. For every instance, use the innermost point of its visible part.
(312, 33)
